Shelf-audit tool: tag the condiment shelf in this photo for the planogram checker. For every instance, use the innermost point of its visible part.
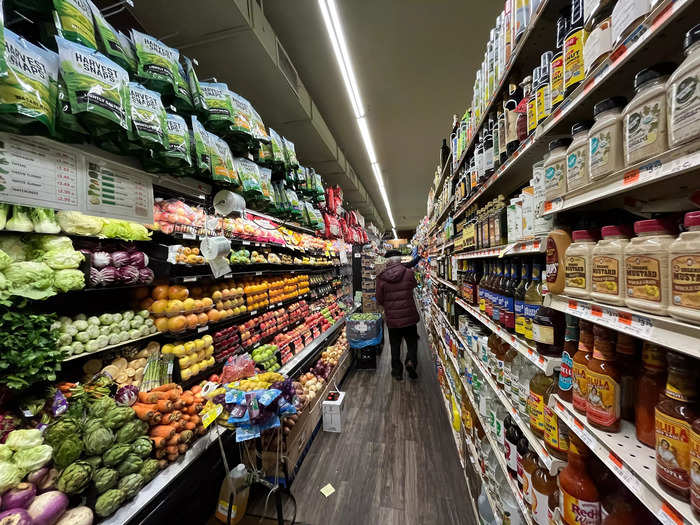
(443, 176)
(453, 286)
(665, 331)
(632, 462)
(528, 246)
(670, 164)
(441, 217)
(546, 364)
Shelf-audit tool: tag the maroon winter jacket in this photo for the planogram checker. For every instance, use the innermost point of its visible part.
(395, 293)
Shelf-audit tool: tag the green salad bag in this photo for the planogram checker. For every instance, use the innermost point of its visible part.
(148, 119)
(75, 19)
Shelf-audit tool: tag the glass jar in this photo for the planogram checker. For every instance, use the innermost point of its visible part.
(684, 270)
(605, 138)
(626, 351)
(646, 267)
(644, 124)
(548, 327)
(556, 435)
(555, 169)
(577, 264)
(683, 91)
(540, 385)
(577, 157)
(695, 461)
(543, 486)
(578, 492)
(581, 359)
(571, 336)
(650, 387)
(603, 378)
(607, 265)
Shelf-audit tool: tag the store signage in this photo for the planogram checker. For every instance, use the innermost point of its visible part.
(38, 172)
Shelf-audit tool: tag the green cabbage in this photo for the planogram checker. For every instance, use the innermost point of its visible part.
(78, 223)
(13, 246)
(66, 280)
(20, 221)
(19, 439)
(5, 260)
(30, 279)
(5, 452)
(63, 259)
(30, 459)
(10, 476)
(44, 220)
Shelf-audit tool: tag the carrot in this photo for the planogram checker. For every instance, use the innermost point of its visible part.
(172, 449)
(173, 417)
(164, 405)
(196, 389)
(186, 417)
(164, 388)
(195, 419)
(178, 405)
(161, 453)
(173, 440)
(200, 430)
(173, 395)
(172, 457)
(158, 441)
(199, 399)
(157, 418)
(165, 431)
(145, 412)
(190, 426)
(187, 399)
(150, 397)
(182, 448)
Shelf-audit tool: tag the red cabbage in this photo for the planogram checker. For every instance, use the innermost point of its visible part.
(138, 259)
(100, 259)
(120, 258)
(128, 274)
(103, 277)
(146, 276)
(127, 395)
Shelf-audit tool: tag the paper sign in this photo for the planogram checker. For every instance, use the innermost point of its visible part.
(327, 490)
(210, 415)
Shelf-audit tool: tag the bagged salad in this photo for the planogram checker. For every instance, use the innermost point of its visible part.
(257, 126)
(195, 88)
(218, 117)
(250, 178)
(75, 21)
(295, 206)
(148, 119)
(182, 98)
(109, 43)
(29, 89)
(97, 88)
(68, 128)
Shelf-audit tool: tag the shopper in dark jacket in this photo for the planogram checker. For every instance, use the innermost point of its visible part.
(395, 293)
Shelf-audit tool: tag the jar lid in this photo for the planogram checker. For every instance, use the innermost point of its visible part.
(692, 218)
(691, 37)
(609, 103)
(584, 235)
(615, 231)
(653, 225)
(578, 127)
(650, 73)
(546, 59)
(536, 75)
(559, 143)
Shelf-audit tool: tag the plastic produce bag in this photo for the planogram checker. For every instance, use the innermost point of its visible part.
(238, 367)
(28, 96)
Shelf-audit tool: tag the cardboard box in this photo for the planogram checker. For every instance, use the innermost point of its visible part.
(333, 414)
(369, 302)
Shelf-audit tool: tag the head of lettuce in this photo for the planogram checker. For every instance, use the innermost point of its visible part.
(30, 279)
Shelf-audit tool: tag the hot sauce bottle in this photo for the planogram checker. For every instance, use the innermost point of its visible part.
(582, 356)
(695, 467)
(674, 416)
(603, 378)
(579, 501)
(650, 388)
(556, 435)
(565, 383)
(543, 486)
(627, 353)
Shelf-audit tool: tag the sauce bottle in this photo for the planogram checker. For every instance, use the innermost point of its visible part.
(539, 385)
(573, 49)
(674, 415)
(628, 363)
(558, 241)
(543, 486)
(548, 329)
(533, 300)
(543, 95)
(532, 102)
(603, 378)
(579, 501)
(695, 467)
(583, 355)
(500, 355)
(509, 296)
(519, 299)
(556, 69)
(512, 436)
(684, 270)
(565, 383)
(556, 435)
(522, 109)
(650, 388)
(529, 462)
(511, 118)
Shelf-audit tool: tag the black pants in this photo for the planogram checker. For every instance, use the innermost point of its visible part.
(410, 334)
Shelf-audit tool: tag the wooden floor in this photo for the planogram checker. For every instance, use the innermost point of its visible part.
(395, 461)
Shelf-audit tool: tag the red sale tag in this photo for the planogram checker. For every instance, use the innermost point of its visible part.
(617, 54)
(662, 16)
(587, 87)
(630, 177)
(536, 245)
(617, 461)
(572, 304)
(670, 513)
(578, 423)
(560, 407)
(596, 311)
(547, 205)
(624, 318)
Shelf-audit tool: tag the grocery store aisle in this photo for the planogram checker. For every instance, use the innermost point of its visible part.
(395, 461)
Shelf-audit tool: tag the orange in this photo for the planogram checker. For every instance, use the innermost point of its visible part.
(160, 292)
(189, 304)
(207, 302)
(192, 321)
(178, 292)
(217, 295)
(175, 307)
(177, 323)
(203, 319)
(213, 315)
(158, 307)
(161, 324)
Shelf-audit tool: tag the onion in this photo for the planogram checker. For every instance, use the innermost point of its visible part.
(120, 258)
(146, 276)
(128, 274)
(100, 259)
(138, 259)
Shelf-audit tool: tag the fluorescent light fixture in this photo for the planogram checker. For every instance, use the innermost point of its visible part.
(342, 56)
(394, 232)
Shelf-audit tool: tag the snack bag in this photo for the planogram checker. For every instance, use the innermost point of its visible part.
(200, 148)
(250, 178)
(148, 119)
(108, 41)
(75, 19)
(157, 63)
(219, 113)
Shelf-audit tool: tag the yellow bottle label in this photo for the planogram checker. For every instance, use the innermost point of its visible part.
(554, 434)
(535, 405)
(557, 76)
(531, 114)
(580, 386)
(603, 406)
(575, 271)
(577, 511)
(573, 58)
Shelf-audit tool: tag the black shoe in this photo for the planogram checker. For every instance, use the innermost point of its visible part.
(397, 375)
(411, 371)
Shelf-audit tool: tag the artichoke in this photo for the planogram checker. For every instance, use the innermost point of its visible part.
(61, 430)
(131, 484)
(149, 470)
(109, 502)
(95, 461)
(131, 431)
(131, 465)
(98, 440)
(118, 416)
(142, 447)
(91, 424)
(101, 406)
(115, 454)
(75, 478)
(105, 479)
(67, 451)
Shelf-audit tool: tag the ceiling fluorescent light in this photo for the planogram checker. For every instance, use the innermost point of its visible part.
(367, 139)
(394, 232)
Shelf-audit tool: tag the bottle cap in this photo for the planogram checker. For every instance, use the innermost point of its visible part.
(692, 218)
(650, 73)
(653, 225)
(578, 127)
(609, 103)
(584, 235)
(559, 143)
(691, 37)
(615, 231)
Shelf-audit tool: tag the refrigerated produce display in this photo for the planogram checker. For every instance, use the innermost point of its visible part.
(561, 281)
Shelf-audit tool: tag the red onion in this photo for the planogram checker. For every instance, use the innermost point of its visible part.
(120, 258)
(100, 259)
(138, 259)
(146, 276)
(128, 274)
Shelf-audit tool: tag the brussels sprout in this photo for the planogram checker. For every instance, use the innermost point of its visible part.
(128, 315)
(83, 337)
(93, 320)
(116, 318)
(102, 341)
(80, 325)
(80, 317)
(106, 319)
(77, 348)
(143, 313)
(64, 339)
(114, 339)
(136, 322)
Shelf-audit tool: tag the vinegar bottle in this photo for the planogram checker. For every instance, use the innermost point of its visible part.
(650, 388)
(579, 500)
(233, 497)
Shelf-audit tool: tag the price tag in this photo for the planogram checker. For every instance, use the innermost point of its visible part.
(245, 243)
(596, 311)
(189, 236)
(228, 275)
(202, 329)
(209, 416)
(668, 516)
(622, 472)
(258, 273)
(253, 312)
(573, 305)
(631, 177)
(189, 279)
(624, 318)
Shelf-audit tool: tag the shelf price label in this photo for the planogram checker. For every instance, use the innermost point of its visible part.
(573, 305)
(624, 318)
(625, 475)
(668, 516)
(596, 311)
(631, 177)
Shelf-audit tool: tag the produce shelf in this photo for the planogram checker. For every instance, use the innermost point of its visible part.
(536, 245)
(546, 364)
(631, 461)
(665, 331)
(113, 347)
